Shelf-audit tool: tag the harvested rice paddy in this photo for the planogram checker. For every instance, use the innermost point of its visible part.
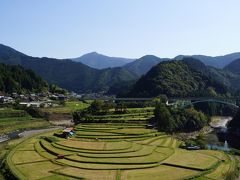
(115, 151)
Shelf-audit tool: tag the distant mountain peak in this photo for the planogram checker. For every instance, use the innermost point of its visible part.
(149, 56)
(142, 65)
(100, 61)
(92, 53)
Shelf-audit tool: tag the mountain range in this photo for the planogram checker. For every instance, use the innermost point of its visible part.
(142, 65)
(217, 61)
(74, 75)
(66, 73)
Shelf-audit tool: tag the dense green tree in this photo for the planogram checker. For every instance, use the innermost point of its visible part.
(17, 79)
(215, 108)
(121, 107)
(107, 106)
(2, 86)
(201, 141)
(53, 88)
(96, 106)
(163, 117)
(176, 120)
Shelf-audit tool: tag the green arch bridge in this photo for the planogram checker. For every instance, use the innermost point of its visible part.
(185, 102)
(178, 100)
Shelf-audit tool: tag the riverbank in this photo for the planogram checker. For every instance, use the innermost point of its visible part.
(192, 135)
(217, 122)
(220, 121)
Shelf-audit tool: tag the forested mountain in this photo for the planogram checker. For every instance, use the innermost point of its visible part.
(99, 61)
(14, 78)
(174, 78)
(234, 67)
(217, 61)
(68, 74)
(185, 78)
(143, 65)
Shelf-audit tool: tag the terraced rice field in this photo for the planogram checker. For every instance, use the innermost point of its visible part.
(120, 149)
(112, 151)
(11, 120)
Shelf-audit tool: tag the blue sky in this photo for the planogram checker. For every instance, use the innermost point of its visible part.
(124, 28)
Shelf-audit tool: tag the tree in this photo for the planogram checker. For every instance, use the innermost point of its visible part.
(62, 102)
(17, 79)
(34, 112)
(163, 117)
(96, 106)
(78, 115)
(10, 85)
(201, 141)
(107, 106)
(176, 120)
(211, 91)
(161, 98)
(121, 107)
(2, 86)
(53, 88)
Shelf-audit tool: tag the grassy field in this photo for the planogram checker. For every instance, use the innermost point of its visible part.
(159, 172)
(189, 159)
(119, 151)
(11, 120)
(89, 174)
(62, 114)
(69, 107)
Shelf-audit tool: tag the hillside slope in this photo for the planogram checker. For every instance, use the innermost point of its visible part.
(178, 79)
(68, 74)
(143, 65)
(17, 79)
(234, 67)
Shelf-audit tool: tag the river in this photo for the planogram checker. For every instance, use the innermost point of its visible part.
(218, 138)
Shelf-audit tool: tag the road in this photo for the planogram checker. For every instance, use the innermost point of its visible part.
(37, 131)
(30, 133)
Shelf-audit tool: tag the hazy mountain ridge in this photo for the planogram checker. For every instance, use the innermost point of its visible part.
(76, 76)
(66, 73)
(217, 61)
(142, 65)
(234, 66)
(99, 61)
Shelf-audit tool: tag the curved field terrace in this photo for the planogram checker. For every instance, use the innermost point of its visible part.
(114, 151)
